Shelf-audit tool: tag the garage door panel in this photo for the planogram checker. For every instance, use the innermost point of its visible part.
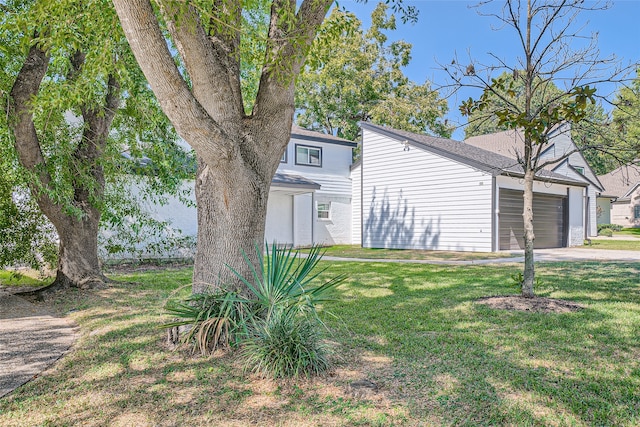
(548, 220)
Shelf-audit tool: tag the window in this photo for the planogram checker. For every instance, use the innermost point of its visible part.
(579, 169)
(636, 212)
(284, 157)
(324, 210)
(309, 156)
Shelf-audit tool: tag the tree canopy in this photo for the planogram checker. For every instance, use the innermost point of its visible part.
(358, 75)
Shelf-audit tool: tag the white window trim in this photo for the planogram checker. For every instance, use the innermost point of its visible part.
(328, 211)
(308, 147)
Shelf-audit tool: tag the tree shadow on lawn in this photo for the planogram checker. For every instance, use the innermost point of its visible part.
(473, 365)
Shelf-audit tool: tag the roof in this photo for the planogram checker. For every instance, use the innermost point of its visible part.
(289, 180)
(485, 160)
(309, 135)
(621, 181)
(510, 143)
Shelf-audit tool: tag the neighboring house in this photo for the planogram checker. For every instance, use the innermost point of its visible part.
(423, 192)
(309, 200)
(310, 196)
(573, 166)
(623, 184)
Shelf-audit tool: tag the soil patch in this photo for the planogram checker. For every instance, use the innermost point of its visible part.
(537, 304)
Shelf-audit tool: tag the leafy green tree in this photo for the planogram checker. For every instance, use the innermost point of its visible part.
(356, 76)
(551, 52)
(626, 120)
(238, 137)
(73, 98)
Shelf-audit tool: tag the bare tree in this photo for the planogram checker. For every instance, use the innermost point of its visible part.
(554, 53)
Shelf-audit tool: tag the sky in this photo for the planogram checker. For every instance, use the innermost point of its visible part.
(453, 28)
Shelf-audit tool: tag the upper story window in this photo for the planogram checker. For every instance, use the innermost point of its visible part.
(308, 156)
(284, 157)
(579, 169)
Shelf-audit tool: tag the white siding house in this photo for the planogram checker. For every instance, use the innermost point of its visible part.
(564, 160)
(423, 192)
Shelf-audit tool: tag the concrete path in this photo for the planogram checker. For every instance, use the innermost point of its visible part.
(31, 340)
(541, 255)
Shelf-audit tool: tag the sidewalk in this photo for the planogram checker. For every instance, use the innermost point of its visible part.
(31, 340)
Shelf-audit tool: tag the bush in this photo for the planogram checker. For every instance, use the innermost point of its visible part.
(613, 227)
(277, 325)
(605, 232)
(285, 345)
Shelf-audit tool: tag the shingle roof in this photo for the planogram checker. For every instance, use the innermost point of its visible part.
(310, 135)
(289, 180)
(618, 182)
(488, 161)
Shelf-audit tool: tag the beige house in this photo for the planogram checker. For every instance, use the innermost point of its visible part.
(623, 184)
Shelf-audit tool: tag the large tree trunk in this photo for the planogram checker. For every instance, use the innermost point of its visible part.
(529, 237)
(78, 264)
(231, 219)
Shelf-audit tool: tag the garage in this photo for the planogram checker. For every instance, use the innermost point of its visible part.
(549, 220)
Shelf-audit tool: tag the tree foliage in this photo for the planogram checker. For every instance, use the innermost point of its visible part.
(356, 75)
(87, 61)
(626, 119)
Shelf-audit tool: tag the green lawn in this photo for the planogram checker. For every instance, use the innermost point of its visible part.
(22, 278)
(352, 251)
(415, 330)
(625, 245)
(628, 232)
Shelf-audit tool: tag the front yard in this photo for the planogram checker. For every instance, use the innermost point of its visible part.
(415, 331)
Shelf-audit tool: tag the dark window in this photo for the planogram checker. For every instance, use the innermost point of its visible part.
(309, 156)
(284, 156)
(636, 212)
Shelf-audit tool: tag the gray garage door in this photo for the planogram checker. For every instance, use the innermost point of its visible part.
(548, 220)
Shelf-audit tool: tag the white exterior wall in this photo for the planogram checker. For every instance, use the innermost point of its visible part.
(336, 230)
(418, 200)
(576, 203)
(279, 222)
(356, 206)
(303, 215)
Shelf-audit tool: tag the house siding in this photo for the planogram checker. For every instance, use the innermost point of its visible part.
(592, 193)
(356, 205)
(336, 230)
(419, 200)
(603, 210)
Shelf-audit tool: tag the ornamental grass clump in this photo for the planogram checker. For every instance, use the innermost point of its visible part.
(277, 325)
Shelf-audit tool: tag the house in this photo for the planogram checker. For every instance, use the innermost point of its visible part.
(415, 191)
(623, 184)
(564, 159)
(309, 199)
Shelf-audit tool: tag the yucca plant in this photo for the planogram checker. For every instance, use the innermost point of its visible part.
(216, 319)
(276, 324)
(283, 281)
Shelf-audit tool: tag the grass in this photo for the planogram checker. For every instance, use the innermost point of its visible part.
(354, 251)
(22, 278)
(628, 232)
(437, 356)
(623, 245)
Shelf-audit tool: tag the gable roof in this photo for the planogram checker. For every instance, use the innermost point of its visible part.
(621, 181)
(510, 143)
(290, 180)
(309, 135)
(485, 160)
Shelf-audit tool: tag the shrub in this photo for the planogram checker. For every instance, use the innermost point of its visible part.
(613, 227)
(285, 345)
(277, 325)
(606, 232)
